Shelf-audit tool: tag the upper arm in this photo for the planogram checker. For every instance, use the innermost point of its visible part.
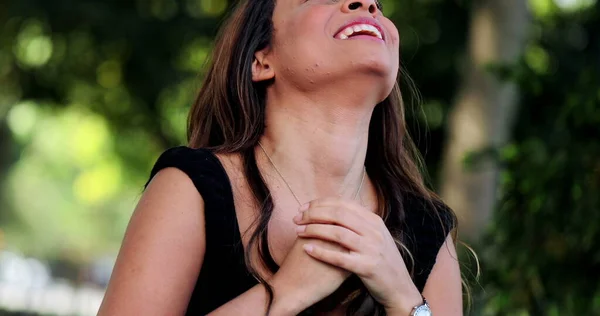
(162, 252)
(443, 289)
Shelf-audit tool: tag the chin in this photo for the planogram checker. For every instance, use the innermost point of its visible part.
(385, 75)
(380, 67)
(386, 91)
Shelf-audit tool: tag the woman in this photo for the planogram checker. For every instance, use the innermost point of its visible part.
(298, 192)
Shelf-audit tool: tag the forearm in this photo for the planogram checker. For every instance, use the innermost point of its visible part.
(255, 302)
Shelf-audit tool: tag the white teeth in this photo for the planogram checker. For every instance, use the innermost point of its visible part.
(372, 29)
(347, 32)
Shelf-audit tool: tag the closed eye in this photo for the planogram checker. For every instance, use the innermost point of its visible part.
(379, 5)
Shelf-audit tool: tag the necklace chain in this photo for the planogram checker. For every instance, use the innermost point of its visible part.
(362, 180)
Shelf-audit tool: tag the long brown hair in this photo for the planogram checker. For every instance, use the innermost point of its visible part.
(228, 116)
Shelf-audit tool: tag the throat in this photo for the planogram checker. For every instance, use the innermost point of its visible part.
(345, 188)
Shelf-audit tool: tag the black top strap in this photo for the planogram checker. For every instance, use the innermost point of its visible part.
(210, 179)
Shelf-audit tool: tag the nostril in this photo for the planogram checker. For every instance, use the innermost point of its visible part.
(358, 4)
(355, 5)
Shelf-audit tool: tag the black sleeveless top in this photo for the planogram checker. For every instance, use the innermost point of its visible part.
(224, 275)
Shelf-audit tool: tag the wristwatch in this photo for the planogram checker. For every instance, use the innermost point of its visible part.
(421, 310)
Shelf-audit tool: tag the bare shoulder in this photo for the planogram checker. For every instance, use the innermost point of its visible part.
(443, 288)
(162, 251)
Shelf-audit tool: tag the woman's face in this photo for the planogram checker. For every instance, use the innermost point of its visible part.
(320, 41)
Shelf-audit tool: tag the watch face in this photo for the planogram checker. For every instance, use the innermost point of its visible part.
(423, 311)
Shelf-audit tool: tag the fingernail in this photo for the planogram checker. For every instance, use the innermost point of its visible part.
(308, 247)
(304, 207)
(301, 228)
(298, 218)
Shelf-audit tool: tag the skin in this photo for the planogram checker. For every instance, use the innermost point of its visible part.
(318, 113)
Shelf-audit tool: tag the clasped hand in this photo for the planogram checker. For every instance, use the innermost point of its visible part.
(369, 251)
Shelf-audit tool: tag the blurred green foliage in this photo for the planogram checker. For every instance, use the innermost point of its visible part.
(542, 254)
(91, 91)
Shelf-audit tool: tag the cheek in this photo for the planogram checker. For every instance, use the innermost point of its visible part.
(395, 37)
(392, 31)
(300, 41)
(308, 28)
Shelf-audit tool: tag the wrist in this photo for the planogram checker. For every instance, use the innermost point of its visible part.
(282, 307)
(405, 304)
(285, 301)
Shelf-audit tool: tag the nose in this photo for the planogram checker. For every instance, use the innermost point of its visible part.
(353, 5)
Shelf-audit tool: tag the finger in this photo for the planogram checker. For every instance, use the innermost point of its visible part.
(342, 259)
(333, 215)
(337, 234)
(348, 205)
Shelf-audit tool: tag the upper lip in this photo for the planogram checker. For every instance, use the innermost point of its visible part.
(362, 20)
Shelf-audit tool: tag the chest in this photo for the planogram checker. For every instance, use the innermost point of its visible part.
(281, 228)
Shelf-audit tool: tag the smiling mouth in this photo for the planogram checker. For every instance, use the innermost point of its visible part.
(359, 29)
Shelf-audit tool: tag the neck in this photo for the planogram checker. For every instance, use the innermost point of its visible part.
(319, 145)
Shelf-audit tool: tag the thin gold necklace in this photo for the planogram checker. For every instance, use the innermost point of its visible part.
(362, 180)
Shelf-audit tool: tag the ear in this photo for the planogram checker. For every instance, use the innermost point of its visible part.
(261, 67)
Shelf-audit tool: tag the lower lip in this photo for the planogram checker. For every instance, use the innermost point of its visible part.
(365, 37)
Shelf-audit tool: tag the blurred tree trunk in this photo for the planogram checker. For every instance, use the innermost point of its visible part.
(483, 113)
